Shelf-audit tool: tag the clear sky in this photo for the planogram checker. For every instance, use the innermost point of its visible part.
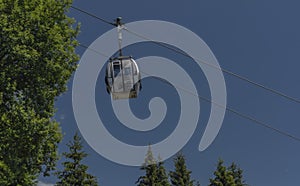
(258, 39)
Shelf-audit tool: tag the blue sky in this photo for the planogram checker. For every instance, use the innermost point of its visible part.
(259, 40)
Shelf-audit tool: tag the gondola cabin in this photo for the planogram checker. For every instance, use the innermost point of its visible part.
(123, 79)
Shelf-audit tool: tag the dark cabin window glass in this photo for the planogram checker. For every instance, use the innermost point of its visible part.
(117, 69)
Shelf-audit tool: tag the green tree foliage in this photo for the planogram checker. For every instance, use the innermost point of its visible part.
(163, 178)
(37, 57)
(5, 174)
(237, 174)
(150, 178)
(75, 173)
(231, 176)
(150, 168)
(149, 159)
(181, 176)
(28, 144)
(155, 173)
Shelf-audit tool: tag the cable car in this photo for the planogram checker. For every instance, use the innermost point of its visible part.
(122, 78)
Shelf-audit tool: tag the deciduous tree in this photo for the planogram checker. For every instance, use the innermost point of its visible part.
(37, 58)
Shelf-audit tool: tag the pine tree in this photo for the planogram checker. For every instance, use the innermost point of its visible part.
(162, 176)
(150, 168)
(231, 176)
(149, 157)
(181, 176)
(75, 173)
(155, 173)
(237, 174)
(150, 178)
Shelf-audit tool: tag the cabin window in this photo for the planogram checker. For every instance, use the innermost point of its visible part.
(127, 71)
(117, 69)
